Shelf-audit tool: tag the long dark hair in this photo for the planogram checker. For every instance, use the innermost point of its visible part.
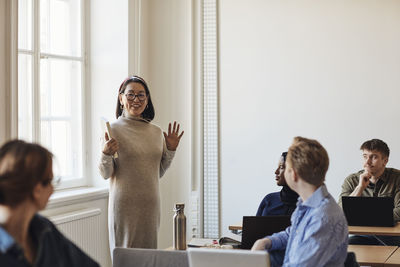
(148, 113)
(22, 166)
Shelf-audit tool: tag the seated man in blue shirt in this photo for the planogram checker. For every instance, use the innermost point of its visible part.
(318, 235)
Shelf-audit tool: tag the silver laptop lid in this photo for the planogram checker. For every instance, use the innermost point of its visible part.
(200, 257)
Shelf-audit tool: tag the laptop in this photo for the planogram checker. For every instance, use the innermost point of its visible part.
(368, 211)
(256, 227)
(200, 257)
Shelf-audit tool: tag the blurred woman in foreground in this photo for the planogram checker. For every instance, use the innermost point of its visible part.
(26, 238)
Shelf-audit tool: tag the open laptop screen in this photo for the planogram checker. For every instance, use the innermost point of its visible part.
(368, 211)
(256, 227)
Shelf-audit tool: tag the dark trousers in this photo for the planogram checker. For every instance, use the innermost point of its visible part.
(276, 257)
(378, 240)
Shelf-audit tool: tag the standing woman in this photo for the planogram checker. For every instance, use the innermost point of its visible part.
(144, 154)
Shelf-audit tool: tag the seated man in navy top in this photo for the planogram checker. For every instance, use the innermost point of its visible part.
(279, 203)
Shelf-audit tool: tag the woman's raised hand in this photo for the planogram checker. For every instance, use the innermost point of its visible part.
(173, 137)
(111, 146)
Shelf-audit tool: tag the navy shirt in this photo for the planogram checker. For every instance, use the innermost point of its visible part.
(273, 204)
(53, 248)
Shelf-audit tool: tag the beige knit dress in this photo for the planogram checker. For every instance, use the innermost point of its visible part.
(134, 201)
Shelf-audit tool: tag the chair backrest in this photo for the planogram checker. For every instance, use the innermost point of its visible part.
(127, 257)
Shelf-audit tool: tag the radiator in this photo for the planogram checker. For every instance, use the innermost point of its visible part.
(83, 227)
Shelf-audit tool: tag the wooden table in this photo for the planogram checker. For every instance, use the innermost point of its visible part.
(356, 230)
(376, 256)
(372, 255)
(368, 255)
(372, 230)
(394, 259)
(235, 227)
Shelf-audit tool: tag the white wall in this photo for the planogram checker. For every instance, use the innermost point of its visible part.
(3, 74)
(327, 70)
(108, 68)
(166, 66)
(108, 59)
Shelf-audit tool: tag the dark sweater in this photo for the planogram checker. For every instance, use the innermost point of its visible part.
(53, 248)
(278, 203)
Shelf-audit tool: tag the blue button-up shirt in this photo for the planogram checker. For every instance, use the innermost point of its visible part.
(6, 240)
(318, 235)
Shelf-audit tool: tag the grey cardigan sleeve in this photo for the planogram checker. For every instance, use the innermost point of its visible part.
(106, 166)
(166, 160)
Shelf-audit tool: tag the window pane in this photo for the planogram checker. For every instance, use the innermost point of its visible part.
(60, 88)
(57, 137)
(25, 24)
(60, 30)
(61, 115)
(25, 97)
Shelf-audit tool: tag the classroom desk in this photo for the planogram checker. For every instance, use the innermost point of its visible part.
(235, 227)
(356, 230)
(376, 256)
(372, 230)
(394, 259)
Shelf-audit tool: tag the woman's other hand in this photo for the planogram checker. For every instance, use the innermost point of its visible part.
(173, 137)
(111, 146)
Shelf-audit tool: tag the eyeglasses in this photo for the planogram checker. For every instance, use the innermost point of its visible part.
(131, 96)
(55, 181)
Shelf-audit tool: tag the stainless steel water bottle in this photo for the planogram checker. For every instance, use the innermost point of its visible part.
(179, 227)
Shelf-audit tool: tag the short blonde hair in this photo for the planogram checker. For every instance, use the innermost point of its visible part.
(309, 159)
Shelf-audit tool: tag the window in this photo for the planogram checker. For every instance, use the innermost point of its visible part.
(51, 67)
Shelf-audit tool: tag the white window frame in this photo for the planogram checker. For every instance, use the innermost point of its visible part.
(36, 56)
